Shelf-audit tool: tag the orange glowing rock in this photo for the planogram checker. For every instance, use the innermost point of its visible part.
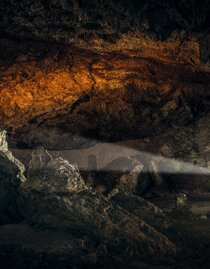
(135, 82)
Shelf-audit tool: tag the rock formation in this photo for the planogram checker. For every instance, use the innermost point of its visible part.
(11, 176)
(94, 216)
(57, 175)
(40, 159)
(59, 199)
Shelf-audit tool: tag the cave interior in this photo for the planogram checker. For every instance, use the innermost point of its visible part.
(104, 134)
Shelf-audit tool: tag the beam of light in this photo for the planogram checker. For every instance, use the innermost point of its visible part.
(106, 153)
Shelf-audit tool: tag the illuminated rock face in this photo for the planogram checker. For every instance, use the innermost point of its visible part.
(108, 95)
(111, 75)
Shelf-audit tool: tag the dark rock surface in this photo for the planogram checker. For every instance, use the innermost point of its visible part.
(23, 246)
(70, 21)
(91, 215)
(138, 206)
(11, 176)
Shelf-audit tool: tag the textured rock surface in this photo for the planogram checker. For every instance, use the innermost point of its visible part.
(123, 70)
(77, 21)
(92, 215)
(105, 95)
(11, 175)
(136, 205)
(61, 176)
(23, 246)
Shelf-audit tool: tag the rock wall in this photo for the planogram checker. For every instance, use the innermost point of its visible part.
(106, 95)
(11, 176)
(100, 69)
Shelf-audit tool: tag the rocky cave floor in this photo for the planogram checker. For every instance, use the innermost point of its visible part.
(24, 246)
(55, 219)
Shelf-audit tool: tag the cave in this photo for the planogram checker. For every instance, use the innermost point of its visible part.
(104, 134)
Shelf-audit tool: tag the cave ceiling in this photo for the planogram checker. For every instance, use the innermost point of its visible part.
(105, 69)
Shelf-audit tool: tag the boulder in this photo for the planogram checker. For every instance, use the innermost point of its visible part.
(132, 175)
(53, 174)
(124, 174)
(61, 176)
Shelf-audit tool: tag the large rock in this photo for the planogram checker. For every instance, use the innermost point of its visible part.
(131, 175)
(61, 176)
(11, 176)
(92, 215)
(54, 174)
(143, 209)
(122, 173)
